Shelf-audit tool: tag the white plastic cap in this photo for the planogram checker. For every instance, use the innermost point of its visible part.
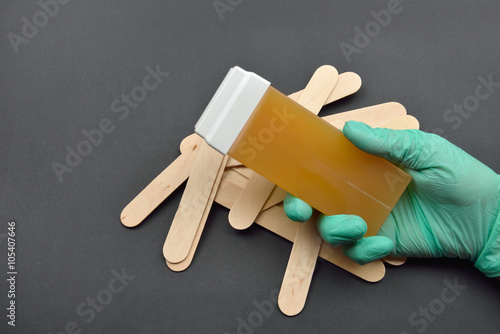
(230, 108)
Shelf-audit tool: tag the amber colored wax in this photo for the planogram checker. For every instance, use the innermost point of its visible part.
(312, 160)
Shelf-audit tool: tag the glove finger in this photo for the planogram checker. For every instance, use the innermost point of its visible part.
(409, 148)
(341, 229)
(296, 209)
(368, 249)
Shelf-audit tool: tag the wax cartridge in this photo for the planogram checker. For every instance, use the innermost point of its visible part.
(276, 137)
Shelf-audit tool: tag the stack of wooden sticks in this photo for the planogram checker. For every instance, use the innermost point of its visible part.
(251, 198)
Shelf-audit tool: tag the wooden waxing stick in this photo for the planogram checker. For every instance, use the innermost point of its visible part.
(163, 185)
(250, 201)
(394, 261)
(376, 115)
(348, 83)
(307, 243)
(300, 268)
(195, 199)
(184, 264)
(406, 122)
(254, 195)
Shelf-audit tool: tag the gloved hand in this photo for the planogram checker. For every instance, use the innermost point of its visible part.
(450, 209)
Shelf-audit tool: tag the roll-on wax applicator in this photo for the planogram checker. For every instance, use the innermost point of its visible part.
(276, 137)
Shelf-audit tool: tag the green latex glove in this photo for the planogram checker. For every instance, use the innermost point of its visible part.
(450, 209)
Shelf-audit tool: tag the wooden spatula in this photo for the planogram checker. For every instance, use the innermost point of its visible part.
(196, 198)
(163, 185)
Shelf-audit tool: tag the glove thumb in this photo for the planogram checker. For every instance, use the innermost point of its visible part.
(408, 148)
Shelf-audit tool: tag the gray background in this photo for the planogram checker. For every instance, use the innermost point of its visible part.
(69, 236)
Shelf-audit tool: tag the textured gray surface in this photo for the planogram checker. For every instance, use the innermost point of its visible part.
(63, 80)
